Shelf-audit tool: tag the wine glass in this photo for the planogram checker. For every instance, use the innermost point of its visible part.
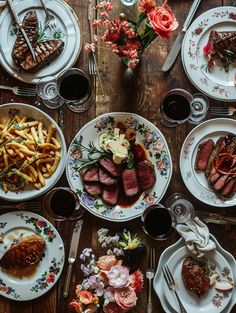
(199, 108)
(47, 90)
(181, 208)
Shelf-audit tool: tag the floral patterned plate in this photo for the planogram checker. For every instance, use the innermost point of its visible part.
(216, 84)
(196, 181)
(154, 142)
(213, 300)
(34, 281)
(67, 28)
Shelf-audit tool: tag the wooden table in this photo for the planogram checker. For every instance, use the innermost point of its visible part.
(140, 95)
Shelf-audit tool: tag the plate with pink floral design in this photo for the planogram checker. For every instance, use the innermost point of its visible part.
(216, 83)
(33, 281)
(155, 146)
(213, 300)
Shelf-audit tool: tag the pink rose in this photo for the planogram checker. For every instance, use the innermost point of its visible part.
(85, 297)
(163, 21)
(112, 307)
(75, 306)
(106, 262)
(118, 276)
(126, 298)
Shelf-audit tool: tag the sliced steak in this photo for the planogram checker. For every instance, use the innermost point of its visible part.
(194, 277)
(110, 194)
(105, 178)
(220, 144)
(112, 168)
(130, 182)
(45, 52)
(20, 48)
(228, 189)
(203, 154)
(146, 174)
(213, 176)
(219, 184)
(93, 189)
(90, 174)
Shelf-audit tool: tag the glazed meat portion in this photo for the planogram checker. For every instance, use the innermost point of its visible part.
(130, 182)
(194, 276)
(110, 167)
(27, 252)
(110, 194)
(146, 174)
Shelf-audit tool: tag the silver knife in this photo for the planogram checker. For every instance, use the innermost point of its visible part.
(178, 41)
(72, 255)
(21, 28)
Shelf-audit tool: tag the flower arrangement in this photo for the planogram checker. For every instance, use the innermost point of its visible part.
(129, 39)
(109, 285)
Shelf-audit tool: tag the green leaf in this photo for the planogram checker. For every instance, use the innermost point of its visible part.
(142, 17)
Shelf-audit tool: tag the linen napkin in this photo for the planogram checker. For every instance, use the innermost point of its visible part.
(197, 237)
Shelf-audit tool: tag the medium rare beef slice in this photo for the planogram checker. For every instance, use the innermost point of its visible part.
(90, 174)
(146, 174)
(106, 179)
(130, 182)
(20, 48)
(194, 276)
(93, 189)
(110, 194)
(203, 154)
(112, 168)
(45, 52)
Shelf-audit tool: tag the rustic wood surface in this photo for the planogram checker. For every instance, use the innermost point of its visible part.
(140, 95)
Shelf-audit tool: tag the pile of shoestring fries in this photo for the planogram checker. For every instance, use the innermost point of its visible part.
(29, 152)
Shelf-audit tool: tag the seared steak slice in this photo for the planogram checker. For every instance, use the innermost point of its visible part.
(219, 184)
(130, 182)
(194, 277)
(110, 194)
(228, 189)
(146, 174)
(203, 154)
(20, 48)
(90, 174)
(112, 168)
(45, 52)
(93, 189)
(105, 178)
(220, 144)
(27, 252)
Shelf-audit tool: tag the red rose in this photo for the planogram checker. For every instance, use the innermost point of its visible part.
(126, 298)
(163, 21)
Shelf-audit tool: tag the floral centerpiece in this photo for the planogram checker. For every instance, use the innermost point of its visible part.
(108, 286)
(129, 39)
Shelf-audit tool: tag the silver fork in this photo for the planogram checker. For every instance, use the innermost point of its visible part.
(151, 263)
(21, 91)
(216, 218)
(91, 65)
(172, 286)
(49, 17)
(28, 206)
(223, 111)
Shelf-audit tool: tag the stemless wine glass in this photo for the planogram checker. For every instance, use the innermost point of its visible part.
(175, 107)
(158, 221)
(47, 90)
(182, 208)
(74, 87)
(62, 203)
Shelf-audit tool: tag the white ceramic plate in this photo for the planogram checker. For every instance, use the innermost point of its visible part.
(159, 282)
(195, 181)
(213, 300)
(66, 22)
(30, 111)
(217, 84)
(155, 143)
(46, 273)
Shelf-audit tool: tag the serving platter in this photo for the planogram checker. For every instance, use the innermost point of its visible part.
(37, 114)
(67, 29)
(212, 300)
(37, 280)
(196, 181)
(217, 83)
(154, 142)
(159, 282)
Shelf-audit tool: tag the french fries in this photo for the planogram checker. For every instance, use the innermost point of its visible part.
(29, 153)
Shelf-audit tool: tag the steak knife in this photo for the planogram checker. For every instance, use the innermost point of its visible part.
(178, 41)
(21, 28)
(72, 255)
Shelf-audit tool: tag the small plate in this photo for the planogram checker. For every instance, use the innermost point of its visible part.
(153, 140)
(216, 84)
(67, 29)
(195, 181)
(211, 301)
(35, 281)
(159, 282)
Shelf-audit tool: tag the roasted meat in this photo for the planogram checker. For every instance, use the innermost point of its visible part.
(203, 154)
(27, 252)
(146, 174)
(130, 182)
(93, 189)
(110, 194)
(194, 276)
(106, 179)
(109, 166)
(90, 174)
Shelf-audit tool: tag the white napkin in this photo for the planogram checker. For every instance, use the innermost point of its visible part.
(196, 236)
